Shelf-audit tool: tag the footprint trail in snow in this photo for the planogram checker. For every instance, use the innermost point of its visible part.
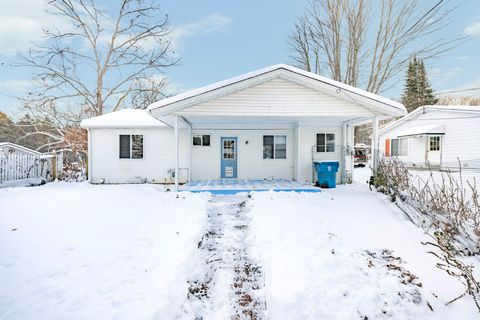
(227, 282)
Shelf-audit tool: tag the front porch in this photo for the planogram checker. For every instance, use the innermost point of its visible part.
(234, 186)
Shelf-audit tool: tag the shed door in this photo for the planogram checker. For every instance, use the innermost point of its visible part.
(228, 157)
(434, 150)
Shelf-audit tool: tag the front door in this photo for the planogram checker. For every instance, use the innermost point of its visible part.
(434, 149)
(229, 157)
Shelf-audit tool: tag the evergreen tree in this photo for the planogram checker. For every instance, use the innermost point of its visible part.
(425, 92)
(418, 91)
(410, 94)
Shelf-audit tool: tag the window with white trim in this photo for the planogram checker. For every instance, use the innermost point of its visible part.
(131, 146)
(325, 142)
(275, 147)
(201, 140)
(399, 147)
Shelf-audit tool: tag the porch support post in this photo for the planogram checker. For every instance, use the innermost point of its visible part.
(375, 153)
(297, 149)
(344, 153)
(177, 152)
(189, 152)
(89, 156)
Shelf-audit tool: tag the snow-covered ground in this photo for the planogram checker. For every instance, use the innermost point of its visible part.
(78, 251)
(333, 255)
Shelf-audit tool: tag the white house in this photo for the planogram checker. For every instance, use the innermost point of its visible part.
(267, 124)
(12, 148)
(434, 135)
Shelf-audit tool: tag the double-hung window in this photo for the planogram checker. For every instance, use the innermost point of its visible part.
(275, 147)
(325, 142)
(131, 146)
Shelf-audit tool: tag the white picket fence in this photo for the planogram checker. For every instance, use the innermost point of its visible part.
(18, 166)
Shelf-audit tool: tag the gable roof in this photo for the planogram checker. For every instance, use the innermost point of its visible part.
(125, 118)
(218, 89)
(424, 109)
(18, 147)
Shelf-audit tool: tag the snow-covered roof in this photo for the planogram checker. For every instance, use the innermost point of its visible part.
(11, 145)
(126, 118)
(424, 109)
(393, 106)
(433, 129)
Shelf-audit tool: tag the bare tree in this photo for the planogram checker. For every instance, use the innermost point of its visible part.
(366, 43)
(459, 100)
(94, 61)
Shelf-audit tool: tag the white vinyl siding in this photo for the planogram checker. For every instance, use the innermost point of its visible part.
(157, 157)
(278, 96)
(460, 139)
(250, 162)
(307, 149)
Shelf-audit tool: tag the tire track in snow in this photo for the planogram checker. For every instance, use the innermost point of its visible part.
(227, 283)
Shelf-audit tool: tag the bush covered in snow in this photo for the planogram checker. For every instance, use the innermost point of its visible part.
(448, 208)
(442, 203)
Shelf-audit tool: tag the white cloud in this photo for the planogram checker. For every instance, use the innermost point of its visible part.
(215, 22)
(462, 58)
(440, 76)
(13, 87)
(464, 89)
(473, 29)
(22, 23)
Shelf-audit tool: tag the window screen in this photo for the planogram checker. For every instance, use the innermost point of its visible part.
(124, 146)
(399, 147)
(394, 147)
(137, 146)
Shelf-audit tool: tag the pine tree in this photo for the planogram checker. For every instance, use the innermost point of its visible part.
(424, 88)
(418, 91)
(410, 94)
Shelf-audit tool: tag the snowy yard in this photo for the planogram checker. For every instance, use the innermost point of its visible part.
(77, 251)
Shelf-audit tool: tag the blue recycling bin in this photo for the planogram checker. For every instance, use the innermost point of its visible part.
(326, 173)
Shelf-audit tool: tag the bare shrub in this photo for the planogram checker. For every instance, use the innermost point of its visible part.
(455, 268)
(447, 205)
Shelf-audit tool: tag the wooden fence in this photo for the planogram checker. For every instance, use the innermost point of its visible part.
(18, 166)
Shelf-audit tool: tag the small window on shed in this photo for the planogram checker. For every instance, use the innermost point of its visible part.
(131, 146)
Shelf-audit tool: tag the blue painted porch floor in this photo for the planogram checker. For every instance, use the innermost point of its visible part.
(233, 186)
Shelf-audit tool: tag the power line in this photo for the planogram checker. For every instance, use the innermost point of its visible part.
(459, 90)
(424, 16)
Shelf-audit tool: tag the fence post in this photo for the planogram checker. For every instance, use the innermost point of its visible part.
(54, 167)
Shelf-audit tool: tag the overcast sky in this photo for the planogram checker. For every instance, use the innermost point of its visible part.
(218, 39)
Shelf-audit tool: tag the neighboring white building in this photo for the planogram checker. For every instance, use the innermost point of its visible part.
(434, 135)
(12, 148)
(267, 124)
